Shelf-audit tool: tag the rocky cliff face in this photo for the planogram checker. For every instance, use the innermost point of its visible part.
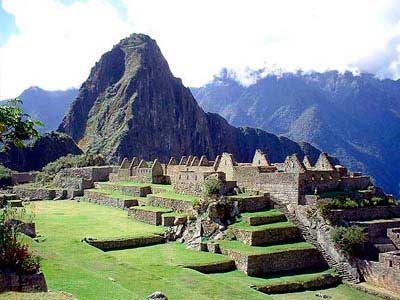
(355, 118)
(131, 104)
(46, 149)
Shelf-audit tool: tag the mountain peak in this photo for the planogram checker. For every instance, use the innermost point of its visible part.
(132, 105)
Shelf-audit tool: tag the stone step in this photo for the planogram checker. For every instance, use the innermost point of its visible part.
(264, 217)
(148, 214)
(110, 198)
(255, 261)
(251, 203)
(290, 283)
(274, 233)
(176, 202)
(126, 188)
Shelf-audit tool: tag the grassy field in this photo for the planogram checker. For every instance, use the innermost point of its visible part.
(90, 274)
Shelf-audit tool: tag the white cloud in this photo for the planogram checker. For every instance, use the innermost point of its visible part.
(58, 44)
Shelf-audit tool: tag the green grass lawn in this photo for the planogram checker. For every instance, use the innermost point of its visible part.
(77, 268)
(172, 195)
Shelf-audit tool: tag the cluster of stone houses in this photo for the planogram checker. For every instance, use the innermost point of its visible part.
(292, 180)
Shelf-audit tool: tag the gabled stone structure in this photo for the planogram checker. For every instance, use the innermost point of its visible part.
(139, 170)
(260, 159)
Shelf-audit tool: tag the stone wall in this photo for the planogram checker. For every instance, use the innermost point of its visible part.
(378, 229)
(23, 177)
(394, 235)
(33, 194)
(251, 203)
(146, 216)
(259, 264)
(173, 204)
(103, 199)
(27, 283)
(218, 267)
(322, 282)
(139, 191)
(118, 244)
(365, 213)
(380, 275)
(270, 236)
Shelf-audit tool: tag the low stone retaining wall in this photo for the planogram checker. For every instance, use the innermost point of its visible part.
(173, 204)
(252, 203)
(258, 264)
(324, 281)
(378, 229)
(104, 199)
(365, 213)
(170, 220)
(394, 235)
(259, 220)
(378, 274)
(23, 177)
(33, 194)
(270, 236)
(219, 267)
(118, 244)
(146, 216)
(22, 283)
(139, 191)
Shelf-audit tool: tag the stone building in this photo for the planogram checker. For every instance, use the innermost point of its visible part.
(139, 170)
(292, 181)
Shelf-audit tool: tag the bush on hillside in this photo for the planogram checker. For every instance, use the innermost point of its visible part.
(212, 186)
(349, 239)
(14, 255)
(70, 161)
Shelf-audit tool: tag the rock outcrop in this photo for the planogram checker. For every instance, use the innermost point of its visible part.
(132, 105)
(46, 149)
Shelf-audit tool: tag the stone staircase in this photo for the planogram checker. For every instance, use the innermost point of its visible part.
(268, 244)
(343, 269)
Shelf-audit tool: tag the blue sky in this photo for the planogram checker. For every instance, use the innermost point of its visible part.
(7, 25)
(54, 43)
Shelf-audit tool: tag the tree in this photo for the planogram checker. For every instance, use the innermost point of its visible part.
(15, 125)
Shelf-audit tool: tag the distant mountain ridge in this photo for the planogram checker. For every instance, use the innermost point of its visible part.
(355, 118)
(49, 107)
(132, 105)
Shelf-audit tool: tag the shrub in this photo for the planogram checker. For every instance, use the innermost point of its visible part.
(349, 239)
(70, 161)
(13, 254)
(4, 172)
(212, 186)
